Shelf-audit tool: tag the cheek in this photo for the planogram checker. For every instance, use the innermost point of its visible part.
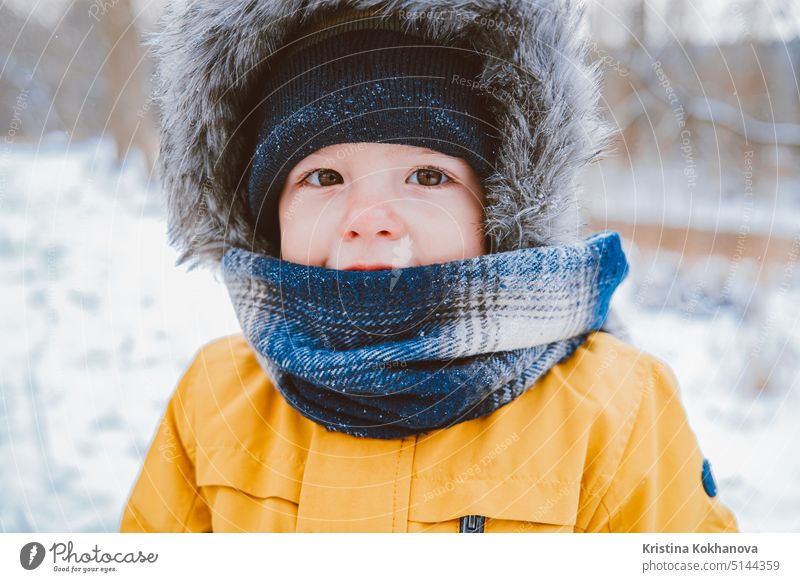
(468, 209)
(452, 229)
(473, 212)
(305, 228)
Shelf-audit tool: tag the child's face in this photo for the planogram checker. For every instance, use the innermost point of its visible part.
(382, 206)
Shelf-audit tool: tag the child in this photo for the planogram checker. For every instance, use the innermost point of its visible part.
(425, 341)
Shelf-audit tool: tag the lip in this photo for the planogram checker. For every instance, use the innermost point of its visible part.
(373, 267)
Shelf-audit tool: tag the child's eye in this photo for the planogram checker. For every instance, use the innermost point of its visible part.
(428, 177)
(324, 177)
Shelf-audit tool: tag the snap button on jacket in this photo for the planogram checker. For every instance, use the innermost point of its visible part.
(601, 443)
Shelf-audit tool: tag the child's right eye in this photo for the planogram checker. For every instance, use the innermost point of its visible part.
(323, 177)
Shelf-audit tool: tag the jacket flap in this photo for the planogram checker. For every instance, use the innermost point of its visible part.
(279, 476)
(554, 502)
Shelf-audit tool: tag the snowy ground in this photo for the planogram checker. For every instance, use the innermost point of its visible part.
(98, 325)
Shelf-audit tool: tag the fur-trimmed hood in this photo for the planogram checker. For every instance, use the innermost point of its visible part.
(210, 63)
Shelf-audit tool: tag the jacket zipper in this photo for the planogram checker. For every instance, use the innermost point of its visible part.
(471, 524)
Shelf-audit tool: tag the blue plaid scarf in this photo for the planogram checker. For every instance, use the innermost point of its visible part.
(387, 354)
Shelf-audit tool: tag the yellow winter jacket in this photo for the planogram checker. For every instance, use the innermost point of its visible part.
(600, 444)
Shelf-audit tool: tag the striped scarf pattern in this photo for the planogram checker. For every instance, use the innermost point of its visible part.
(387, 354)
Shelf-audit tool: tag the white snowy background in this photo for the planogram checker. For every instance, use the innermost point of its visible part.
(98, 325)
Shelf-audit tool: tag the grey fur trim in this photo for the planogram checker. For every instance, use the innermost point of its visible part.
(208, 55)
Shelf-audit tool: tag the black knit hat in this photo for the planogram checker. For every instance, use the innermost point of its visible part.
(365, 79)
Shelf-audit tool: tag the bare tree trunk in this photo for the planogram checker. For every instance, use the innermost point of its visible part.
(675, 21)
(638, 18)
(130, 117)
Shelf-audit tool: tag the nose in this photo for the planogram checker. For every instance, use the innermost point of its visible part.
(369, 218)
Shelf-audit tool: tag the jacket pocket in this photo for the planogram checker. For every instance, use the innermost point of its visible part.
(246, 492)
(510, 505)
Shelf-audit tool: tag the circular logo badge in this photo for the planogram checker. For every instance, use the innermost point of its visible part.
(31, 555)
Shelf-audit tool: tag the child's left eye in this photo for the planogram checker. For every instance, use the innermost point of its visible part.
(428, 177)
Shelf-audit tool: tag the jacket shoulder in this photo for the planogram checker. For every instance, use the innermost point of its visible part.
(604, 384)
(609, 372)
(224, 356)
(222, 367)
(219, 369)
(655, 468)
(235, 405)
(615, 379)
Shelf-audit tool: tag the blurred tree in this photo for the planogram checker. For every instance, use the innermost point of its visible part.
(75, 69)
(130, 118)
